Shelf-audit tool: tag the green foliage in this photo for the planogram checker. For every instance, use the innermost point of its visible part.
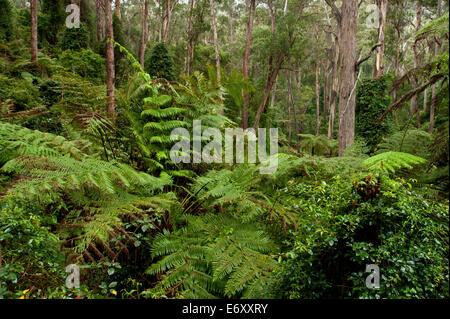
(78, 185)
(213, 256)
(392, 161)
(318, 145)
(205, 55)
(371, 102)
(154, 107)
(27, 249)
(340, 232)
(436, 27)
(50, 170)
(74, 38)
(416, 142)
(22, 93)
(49, 122)
(86, 63)
(438, 175)
(48, 92)
(80, 95)
(51, 20)
(152, 114)
(204, 97)
(159, 64)
(6, 26)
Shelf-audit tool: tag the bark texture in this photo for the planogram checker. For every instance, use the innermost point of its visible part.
(33, 43)
(144, 32)
(110, 71)
(433, 87)
(382, 9)
(248, 43)
(347, 85)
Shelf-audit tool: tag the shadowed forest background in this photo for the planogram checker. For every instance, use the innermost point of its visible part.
(358, 90)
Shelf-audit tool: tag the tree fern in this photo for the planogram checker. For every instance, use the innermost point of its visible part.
(237, 191)
(215, 255)
(392, 161)
(416, 142)
(102, 192)
(16, 140)
(317, 145)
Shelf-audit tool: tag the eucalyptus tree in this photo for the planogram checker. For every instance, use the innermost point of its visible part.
(34, 24)
(110, 68)
(285, 30)
(245, 61)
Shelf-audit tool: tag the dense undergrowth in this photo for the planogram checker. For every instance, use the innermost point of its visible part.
(79, 187)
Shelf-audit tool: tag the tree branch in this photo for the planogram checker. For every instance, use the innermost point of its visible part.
(335, 10)
(410, 94)
(368, 56)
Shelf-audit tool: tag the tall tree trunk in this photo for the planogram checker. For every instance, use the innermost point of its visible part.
(347, 87)
(433, 87)
(317, 100)
(332, 101)
(291, 102)
(425, 102)
(34, 46)
(382, 9)
(167, 19)
(317, 84)
(100, 20)
(230, 20)
(216, 41)
(289, 124)
(414, 81)
(144, 37)
(189, 42)
(165, 22)
(274, 95)
(161, 22)
(397, 60)
(272, 15)
(248, 43)
(271, 80)
(269, 74)
(273, 71)
(326, 79)
(334, 88)
(110, 71)
(298, 80)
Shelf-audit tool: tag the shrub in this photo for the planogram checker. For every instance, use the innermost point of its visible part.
(22, 92)
(49, 122)
(342, 230)
(160, 63)
(5, 20)
(30, 253)
(371, 101)
(84, 62)
(75, 38)
(51, 20)
(48, 92)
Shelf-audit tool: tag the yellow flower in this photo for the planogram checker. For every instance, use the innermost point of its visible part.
(22, 297)
(25, 291)
(114, 292)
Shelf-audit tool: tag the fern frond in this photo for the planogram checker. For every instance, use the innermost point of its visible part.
(392, 161)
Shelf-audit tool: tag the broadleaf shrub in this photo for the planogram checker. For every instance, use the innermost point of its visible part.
(342, 230)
